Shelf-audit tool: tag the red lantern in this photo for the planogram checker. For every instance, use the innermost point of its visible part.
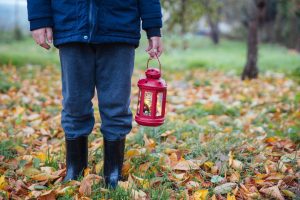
(152, 98)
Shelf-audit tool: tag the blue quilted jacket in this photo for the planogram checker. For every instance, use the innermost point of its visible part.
(96, 21)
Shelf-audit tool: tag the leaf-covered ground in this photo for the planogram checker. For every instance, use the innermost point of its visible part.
(223, 139)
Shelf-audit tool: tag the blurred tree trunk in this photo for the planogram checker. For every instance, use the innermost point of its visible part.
(17, 30)
(258, 13)
(251, 69)
(213, 12)
(298, 44)
(214, 29)
(183, 24)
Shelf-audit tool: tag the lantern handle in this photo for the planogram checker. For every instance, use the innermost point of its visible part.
(157, 60)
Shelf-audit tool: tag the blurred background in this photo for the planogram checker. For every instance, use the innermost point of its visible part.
(227, 128)
(210, 34)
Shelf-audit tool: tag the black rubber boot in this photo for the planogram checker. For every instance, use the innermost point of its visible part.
(76, 157)
(113, 162)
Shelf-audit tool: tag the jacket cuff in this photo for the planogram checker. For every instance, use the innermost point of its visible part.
(153, 32)
(41, 23)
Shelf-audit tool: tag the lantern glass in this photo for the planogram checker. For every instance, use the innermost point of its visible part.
(147, 103)
(159, 104)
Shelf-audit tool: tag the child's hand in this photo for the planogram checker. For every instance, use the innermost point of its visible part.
(155, 47)
(43, 37)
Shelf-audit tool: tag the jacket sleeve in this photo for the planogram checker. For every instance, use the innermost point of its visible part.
(39, 14)
(150, 13)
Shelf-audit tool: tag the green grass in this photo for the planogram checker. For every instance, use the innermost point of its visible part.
(228, 55)
(201, 53)
(26, 52)
(6, 83)
(7, 149)
(197, 111)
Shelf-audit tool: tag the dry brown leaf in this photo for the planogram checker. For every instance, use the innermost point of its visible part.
(149, 143)
(173, 159)
(126, 168)
(30, 171)
(98, 167)
(272, 192)
(85, 188)
(36, 194)
(48, 195)
(64, 189)
(170, 151)
(48, 170)
(237, 165)
(192, 185)
(44, 177)
(185, 165)
(20, 188)
(167, 133)
(59, 172)
(138, 195)
(33, 117)
(235, 177)
(142, 182)
(132, 153)
(125, 185)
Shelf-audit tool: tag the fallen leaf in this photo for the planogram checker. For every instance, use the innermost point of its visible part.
(230, 197)
(224, 188)
(48, 195)
(289, 194)
(272, 192)
(142, 182)
(30, 171)
(167, 133)
(200, 194)
(86, 184)
(43, 177)
(3, 182)
(216, 179)
(185, 165)
(138, 194)
(192, 185)
(42, 156)
(99, 167)
(132, 153)
(235, 177)
(237, 165)
(208, 164)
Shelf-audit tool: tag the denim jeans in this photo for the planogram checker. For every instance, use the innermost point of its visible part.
(108, 69)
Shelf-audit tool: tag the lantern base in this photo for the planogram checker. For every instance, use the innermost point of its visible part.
(149, 122)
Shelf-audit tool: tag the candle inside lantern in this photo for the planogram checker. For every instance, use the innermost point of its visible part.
(147, 103)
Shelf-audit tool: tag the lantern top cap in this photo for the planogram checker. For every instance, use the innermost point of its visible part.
(153, 73)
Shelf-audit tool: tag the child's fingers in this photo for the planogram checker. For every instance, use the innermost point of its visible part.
(42, 40)
(160, 49)
(49, 34)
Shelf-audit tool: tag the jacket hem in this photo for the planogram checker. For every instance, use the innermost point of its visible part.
(101, 39)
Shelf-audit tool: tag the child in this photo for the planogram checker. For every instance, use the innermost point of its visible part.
(96, 41)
